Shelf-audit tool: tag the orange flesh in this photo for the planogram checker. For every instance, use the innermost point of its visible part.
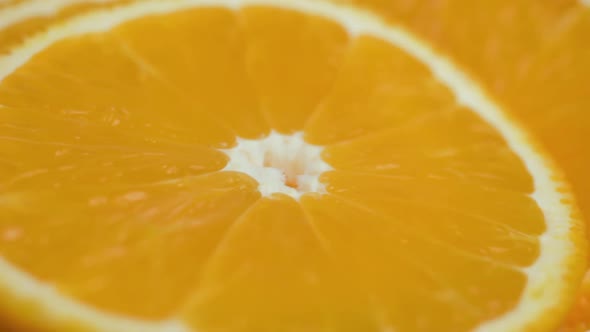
(15, 34)
(7, 3)
(534, 57)
(114, 143)
(578, 320)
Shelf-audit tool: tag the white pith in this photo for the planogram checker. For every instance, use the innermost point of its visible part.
(543, 290)
(282, 164)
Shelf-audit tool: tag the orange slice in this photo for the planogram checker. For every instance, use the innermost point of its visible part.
(533, 56)
(22, 19)
(269, 166)
(564, 126)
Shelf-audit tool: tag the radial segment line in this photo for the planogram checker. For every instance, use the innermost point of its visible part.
(407, 124)
(240, 23)
(317, 109)
(208, 264)
(462, 300)
(152, 70)
(240, 26)
(430, 239)
(421, 204)
(320, 238)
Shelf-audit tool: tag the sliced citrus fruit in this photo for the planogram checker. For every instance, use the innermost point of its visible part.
(533, 56)
(22, 19)
(269, 166)
(564, 126)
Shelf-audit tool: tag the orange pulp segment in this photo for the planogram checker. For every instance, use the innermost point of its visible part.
(117, 145)
(534, 57)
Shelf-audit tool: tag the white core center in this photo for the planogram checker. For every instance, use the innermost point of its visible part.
(280, 163)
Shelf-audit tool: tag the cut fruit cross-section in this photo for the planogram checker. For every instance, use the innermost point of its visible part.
(533, 56)
(269, 166)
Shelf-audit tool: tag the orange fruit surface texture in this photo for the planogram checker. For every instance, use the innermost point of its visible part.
(286, 166)
(21, 19)
(534, 56)
(8, 3)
